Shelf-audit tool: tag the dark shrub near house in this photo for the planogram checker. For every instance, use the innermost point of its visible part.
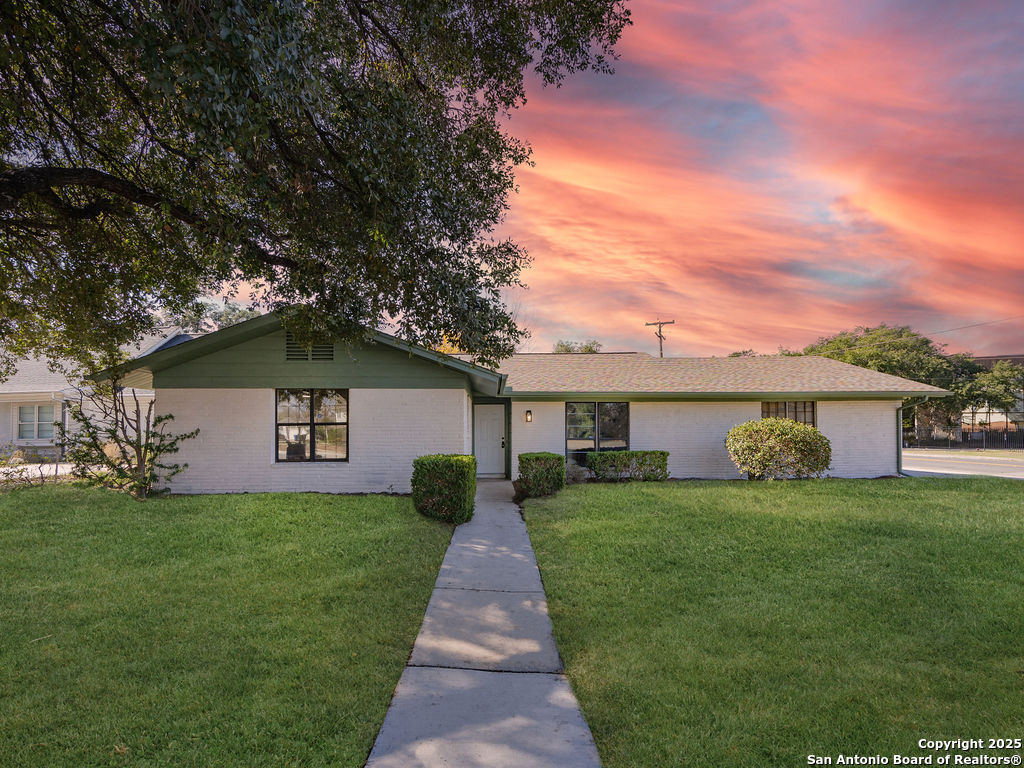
(540, 474)
(444, 486)
(611, 466)
(774, 449)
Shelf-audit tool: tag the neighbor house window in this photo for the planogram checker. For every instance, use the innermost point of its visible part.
(312, 425)
(35, 422)
(797, 410)
(595, 427)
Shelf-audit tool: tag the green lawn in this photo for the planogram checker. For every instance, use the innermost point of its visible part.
(259, 630)
(749, 624)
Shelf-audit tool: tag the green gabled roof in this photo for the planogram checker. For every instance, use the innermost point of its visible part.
(139, 371)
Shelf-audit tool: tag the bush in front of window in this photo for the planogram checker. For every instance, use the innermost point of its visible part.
(775, 449)
(444, 486)
(540, 474)
(613, 466)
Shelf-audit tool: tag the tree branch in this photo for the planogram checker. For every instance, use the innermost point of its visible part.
(16, 183)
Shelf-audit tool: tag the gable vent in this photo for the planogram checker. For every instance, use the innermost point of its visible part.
(295, 351)
(323, 351)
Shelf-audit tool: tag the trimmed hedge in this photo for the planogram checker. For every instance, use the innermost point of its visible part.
(540, 474)
(610, 466)
(774, 449)
(444, 486)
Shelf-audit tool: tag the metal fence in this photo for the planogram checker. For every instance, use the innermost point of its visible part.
(1007, 440)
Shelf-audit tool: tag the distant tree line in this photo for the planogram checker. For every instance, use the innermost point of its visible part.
(566, 347)
(902, 351)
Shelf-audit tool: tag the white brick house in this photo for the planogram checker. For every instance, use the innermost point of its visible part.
(274, 416)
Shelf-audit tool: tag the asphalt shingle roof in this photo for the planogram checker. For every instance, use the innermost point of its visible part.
(641, 373)
(34, 374)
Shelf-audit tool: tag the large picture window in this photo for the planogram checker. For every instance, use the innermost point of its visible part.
(312, 425)
(35, 422)
(595, 427)
(798, 410)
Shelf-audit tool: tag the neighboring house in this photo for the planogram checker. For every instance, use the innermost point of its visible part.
(274, 416)
(35, 397)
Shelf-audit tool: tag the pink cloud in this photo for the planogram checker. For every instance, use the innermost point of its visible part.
(784, 171)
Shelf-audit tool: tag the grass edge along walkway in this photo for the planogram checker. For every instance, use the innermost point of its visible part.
(737, 623)
(245, 630)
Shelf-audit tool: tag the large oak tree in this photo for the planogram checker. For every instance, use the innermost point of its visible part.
(347, 158)
(901, 351)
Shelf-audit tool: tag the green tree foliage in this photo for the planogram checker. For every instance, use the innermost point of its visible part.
(743, 353)
(565, 347)
(1001, 387)
(902, 351)
(206, 316)
(775, 449)
(348, 159)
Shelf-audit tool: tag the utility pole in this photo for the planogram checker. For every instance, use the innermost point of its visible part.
(661, 334)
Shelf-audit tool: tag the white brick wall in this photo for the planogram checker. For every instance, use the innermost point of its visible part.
(234, 451)
(545, 433)
(863, 434)
(693, 434)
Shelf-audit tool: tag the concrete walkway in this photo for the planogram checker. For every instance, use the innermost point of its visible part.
(484, 684)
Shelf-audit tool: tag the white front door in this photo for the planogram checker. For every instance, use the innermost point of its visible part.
(489, 439)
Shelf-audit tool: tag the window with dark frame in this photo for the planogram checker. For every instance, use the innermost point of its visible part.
(312, 425)
(595, 427)
(803, 411)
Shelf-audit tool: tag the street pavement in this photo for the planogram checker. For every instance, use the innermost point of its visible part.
(939, 462)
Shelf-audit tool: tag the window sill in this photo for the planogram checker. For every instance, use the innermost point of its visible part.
(280, 462)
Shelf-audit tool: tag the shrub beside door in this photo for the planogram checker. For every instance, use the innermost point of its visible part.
(444, 486)
(540, 474)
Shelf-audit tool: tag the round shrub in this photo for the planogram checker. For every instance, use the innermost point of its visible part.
(773, 449)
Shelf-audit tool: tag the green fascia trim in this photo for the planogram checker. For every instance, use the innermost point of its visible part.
(139, 372)
(710, 396)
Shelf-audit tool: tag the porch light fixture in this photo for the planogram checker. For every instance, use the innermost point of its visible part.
(529, 416)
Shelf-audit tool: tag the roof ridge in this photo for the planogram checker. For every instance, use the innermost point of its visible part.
(570, 354)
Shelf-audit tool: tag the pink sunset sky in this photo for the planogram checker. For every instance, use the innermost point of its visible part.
(768, 172)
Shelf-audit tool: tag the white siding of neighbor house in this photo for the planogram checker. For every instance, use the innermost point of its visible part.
(9, 425)
(6, 424)
(545, 433)
(862, 433)
(234, 451)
